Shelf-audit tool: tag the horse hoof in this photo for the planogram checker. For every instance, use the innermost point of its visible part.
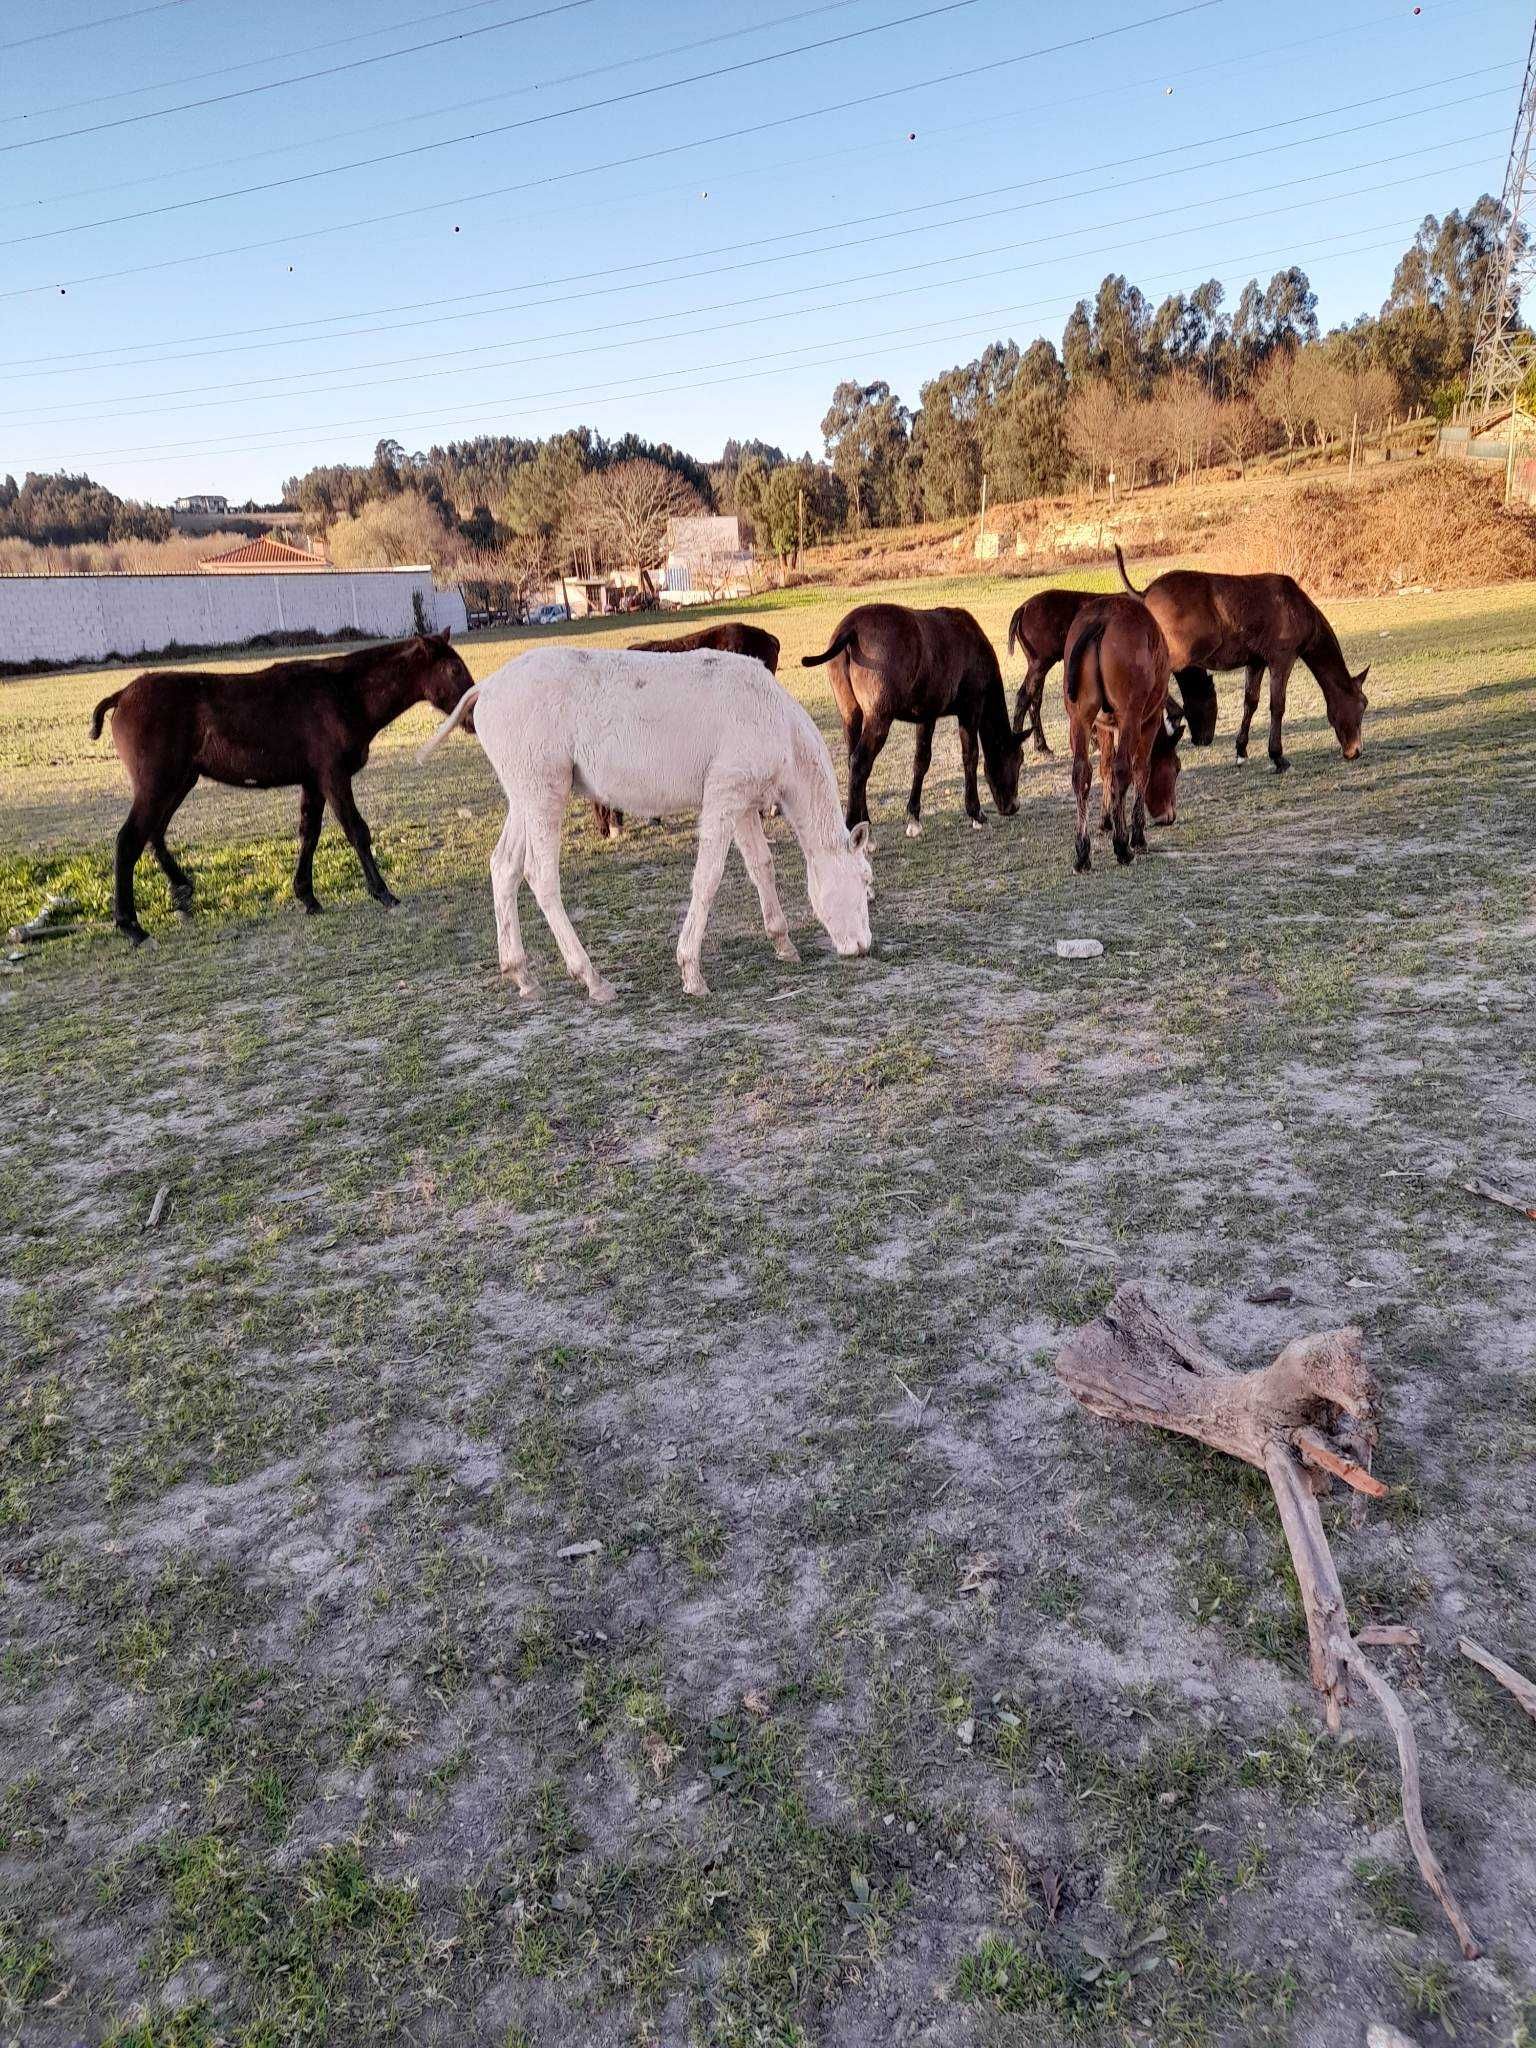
(978, 824)
(1123, 853)
(914, 828)
(787, 950)
(602, 991)
(387, 900)
(135, 934)
(1241, 750)
(312, 906)
(1281, 763)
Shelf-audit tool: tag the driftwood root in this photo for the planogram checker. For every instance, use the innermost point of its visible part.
(1306, 1419)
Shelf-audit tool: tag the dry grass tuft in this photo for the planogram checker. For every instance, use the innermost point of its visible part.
(1439, 524)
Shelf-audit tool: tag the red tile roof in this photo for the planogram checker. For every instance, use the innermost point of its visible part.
(266, 553)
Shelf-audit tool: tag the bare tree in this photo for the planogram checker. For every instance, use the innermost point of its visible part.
(1094, 425)
(393, 533)
(623, 513)
(1281, 396)
(1242, 431)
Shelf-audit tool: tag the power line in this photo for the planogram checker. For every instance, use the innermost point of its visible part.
(1292, 121)
(245, 92)
(451, 141)
(252, 338)
(756, 320)
(608, 396)
(863, 339)
(103, 99)
(224, 162)
(895, 213)
(673, 149)
(50, 35)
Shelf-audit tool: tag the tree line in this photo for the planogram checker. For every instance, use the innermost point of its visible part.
(1145, 392)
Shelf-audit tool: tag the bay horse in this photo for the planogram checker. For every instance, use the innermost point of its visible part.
(1254, 623)
(1040, 626)
(301, 722)
(890, 662)
(729, 637)
(1115, 678)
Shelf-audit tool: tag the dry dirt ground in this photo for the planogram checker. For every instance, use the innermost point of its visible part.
(308, 1729)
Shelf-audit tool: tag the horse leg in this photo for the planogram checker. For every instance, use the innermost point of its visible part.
(506, 882)
(1255, 677)
(609, 823)
(338, 792)
(132, 838)
(542, 865)
(311, 816)
(758, 856)
(969, 752)
(708, 867)
(1121, 777)
(1082, 785)
(1106, 779)
(1031, 696)
(922, 754)
(174, 872)
(1279, 678)
(862, 755)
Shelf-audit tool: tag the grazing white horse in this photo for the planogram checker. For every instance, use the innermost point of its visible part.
(659, 735)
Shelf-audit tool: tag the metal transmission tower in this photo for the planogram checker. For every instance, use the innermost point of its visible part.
(1501, 355)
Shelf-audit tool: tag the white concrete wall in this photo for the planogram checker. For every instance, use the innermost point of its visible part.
(86, 618)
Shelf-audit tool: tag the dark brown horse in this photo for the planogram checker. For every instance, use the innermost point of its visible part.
(308, 723)
(891, 663)
(729, 637)
(1254, 623)
(1115, 682)
(1040, 626)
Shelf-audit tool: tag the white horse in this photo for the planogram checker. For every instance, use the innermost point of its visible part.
(660, 735)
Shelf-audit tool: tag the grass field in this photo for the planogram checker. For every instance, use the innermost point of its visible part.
(309, 1731)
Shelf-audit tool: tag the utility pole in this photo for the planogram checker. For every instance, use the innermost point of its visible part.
(1354, 436)
(799, 524)
(1501, 356)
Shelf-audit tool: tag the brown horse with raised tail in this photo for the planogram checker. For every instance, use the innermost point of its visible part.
(1253, 623)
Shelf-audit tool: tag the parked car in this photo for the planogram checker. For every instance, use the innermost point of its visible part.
(547, 615)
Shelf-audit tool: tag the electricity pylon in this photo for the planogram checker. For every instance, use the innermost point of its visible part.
(1503, 351)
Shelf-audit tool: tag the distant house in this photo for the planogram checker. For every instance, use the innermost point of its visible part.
(706, 557)
(261, 557)
(203, 501)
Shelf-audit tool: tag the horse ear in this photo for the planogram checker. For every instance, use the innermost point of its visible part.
(446, 635)
(858, 838)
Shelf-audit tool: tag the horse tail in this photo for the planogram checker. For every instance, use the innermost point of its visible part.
(101, 711)
(456, 717)
(1090, 636)
(843, 639)
(1124, 578)
(1015, 632)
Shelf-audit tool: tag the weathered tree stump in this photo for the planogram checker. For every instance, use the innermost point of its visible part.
(1307, 1419)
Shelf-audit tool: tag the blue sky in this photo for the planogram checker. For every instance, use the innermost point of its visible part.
(846, 209)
